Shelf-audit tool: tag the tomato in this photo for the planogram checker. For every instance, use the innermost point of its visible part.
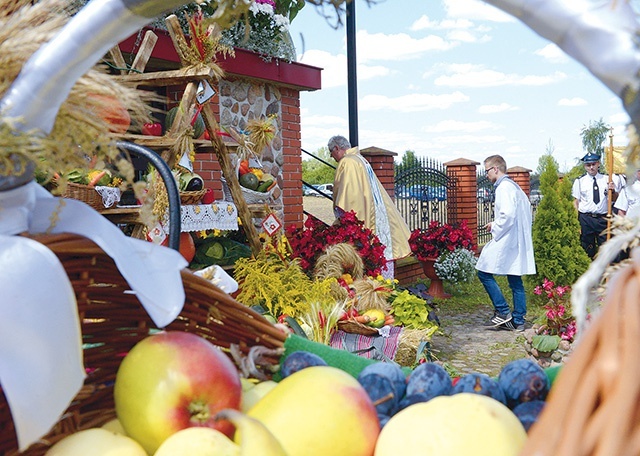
(187, 246)
(152, 129)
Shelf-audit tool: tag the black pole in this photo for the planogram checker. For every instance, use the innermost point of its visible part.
(173, 193)
(352, 77)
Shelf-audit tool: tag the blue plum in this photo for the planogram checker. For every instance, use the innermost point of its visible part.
(299, 360)
(430, 379)
(410, 400)
(478, 383)
(391, 371)
(528, 412)
(384, 419)
(381, 392)
(523, 380)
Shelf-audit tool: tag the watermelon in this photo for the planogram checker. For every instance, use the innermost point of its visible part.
(198, 126)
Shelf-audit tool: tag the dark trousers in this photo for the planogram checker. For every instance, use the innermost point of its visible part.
(592, 233)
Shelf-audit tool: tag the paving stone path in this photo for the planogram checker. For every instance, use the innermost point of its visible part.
(466, 345)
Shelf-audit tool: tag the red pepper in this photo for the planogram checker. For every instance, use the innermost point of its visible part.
(152, 129)
(244, 167)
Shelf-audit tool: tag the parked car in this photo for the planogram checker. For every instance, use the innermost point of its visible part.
(485, 195)
(326, 189)
(428, 193)
(535, 196)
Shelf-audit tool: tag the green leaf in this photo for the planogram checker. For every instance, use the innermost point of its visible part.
(545, 343)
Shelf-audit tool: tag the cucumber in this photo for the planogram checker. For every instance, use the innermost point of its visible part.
(264, 186)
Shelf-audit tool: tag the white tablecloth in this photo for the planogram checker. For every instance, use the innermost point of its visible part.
(219, 215)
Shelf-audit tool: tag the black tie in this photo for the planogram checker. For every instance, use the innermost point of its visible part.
(596, 191)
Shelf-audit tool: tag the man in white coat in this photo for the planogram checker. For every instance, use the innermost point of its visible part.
(510, 250)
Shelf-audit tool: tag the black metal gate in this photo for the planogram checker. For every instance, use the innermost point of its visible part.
(486, 198)
(423, 192)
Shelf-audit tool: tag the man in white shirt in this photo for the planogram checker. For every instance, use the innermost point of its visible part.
(590, 193)
(510, 250)
(628, 202)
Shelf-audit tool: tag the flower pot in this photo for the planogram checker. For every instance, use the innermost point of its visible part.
(436, 288)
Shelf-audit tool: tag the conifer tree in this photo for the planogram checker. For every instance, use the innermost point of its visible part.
(556, 231)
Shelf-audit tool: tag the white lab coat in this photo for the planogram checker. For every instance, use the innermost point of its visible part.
(510, 251)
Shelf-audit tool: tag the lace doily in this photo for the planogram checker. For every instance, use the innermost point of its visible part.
(219, 215)
(110, 195)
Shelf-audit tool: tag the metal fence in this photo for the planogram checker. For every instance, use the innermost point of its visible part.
(422, 193)
(486, 197)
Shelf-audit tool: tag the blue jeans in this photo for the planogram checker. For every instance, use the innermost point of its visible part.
(497, 298)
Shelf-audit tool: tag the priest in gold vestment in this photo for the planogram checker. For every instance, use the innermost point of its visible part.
(356, 188)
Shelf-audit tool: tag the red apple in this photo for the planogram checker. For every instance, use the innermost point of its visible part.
(171, 381)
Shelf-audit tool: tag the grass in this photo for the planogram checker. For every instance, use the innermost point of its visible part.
(470, 297)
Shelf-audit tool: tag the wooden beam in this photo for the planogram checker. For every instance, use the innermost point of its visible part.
(144, 54)
(219, 148)
(169, 77)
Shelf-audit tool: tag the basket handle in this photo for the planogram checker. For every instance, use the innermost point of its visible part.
(169, 182)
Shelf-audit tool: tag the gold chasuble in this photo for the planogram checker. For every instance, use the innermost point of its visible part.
(356, 188)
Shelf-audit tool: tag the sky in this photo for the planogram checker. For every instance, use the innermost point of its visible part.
(451, 79)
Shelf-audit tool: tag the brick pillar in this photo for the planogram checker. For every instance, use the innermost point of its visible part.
(522, 177)
(292, 166)
(462, 203)
(382, 163)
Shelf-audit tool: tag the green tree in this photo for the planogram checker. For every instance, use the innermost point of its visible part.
(409, 161)
(556, 231)
(594, 136)
(315, 171)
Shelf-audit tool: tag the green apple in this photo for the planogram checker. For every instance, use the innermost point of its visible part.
(462, 424)
(320, 411)
(171, 381)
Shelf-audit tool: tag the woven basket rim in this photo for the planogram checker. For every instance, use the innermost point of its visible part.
(354, 327)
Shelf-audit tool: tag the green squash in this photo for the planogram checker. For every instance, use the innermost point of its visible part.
(250, 181)
(198, 126)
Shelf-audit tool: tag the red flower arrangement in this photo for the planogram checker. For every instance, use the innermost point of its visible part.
(440, 238)
(308, 242)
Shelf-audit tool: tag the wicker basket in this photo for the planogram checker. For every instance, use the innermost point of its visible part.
(250, 196)
(192, 197)
(114, 321)
(353, 327)
(85, 194)
(594, 405)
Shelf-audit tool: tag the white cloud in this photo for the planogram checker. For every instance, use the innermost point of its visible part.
(398, 46)
(475, 10)
(552, 53)
(411, 103)
(456, 125)
(575, 101)
(470, 139)
(425, 23)
(467, 75)
(492, 109)
(334, 68)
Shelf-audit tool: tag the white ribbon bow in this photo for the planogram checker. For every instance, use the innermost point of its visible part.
(41, 367)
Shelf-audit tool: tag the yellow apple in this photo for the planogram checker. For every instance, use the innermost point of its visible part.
(198, 441)
(252, 395)
(114, 426)
(320, 411)
(96, 442)
(462, 424)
